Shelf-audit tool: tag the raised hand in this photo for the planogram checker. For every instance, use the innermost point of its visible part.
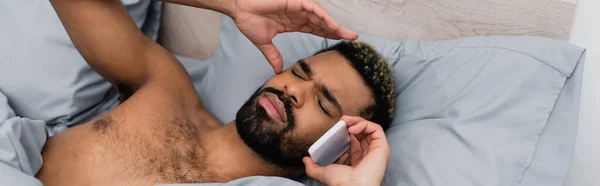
(261, 20)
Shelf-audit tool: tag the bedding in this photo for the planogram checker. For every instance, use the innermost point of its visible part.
(43, 75)
(21, 141)
(472, 111)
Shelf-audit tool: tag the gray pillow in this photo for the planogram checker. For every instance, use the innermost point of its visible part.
(41, 72)
(471, 111)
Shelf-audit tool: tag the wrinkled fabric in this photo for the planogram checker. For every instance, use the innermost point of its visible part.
(21, 141)
(41, 72)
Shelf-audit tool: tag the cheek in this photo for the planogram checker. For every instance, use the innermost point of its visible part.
(310, 124)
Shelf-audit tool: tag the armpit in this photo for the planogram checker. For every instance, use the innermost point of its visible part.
(124, 91)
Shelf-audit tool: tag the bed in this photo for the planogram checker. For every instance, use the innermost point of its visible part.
(572, 20)
(528, 119)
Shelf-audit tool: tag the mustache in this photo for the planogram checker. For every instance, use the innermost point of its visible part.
(287, 105)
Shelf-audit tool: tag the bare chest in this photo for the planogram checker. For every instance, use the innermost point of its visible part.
(119, 151)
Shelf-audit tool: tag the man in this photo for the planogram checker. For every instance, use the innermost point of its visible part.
(162, 134)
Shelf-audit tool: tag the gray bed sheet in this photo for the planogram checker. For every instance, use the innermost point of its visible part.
(21, 141)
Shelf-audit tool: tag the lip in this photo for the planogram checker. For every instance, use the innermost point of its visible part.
(274, 107)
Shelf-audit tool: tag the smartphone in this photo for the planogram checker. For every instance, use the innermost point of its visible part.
(330, 146)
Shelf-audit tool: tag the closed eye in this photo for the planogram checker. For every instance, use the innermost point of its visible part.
(322, 107)
(297, 75)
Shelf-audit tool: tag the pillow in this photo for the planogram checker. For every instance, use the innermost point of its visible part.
(471, 111)
(43, 75)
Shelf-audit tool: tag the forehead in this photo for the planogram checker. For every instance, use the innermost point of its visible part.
(334, 71)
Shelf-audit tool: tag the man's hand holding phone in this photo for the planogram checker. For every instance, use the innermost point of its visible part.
(364, 164)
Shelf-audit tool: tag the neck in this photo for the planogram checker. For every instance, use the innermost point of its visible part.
(231, 157)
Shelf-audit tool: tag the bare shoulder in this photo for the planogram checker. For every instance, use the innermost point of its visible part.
(159, 104)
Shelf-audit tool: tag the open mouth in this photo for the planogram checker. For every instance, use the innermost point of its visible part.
(274, 107)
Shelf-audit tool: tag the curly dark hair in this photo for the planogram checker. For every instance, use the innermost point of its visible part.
(377, 75)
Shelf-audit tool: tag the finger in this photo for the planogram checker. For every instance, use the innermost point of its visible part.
(375, 161)
(375, 151)
(319, 24)
(314, 20)
(326, 21)
(348, 162)
(331, 34)
(347, 34)
(355, 151)
(343, 159)
(351, 120)
(307, 29)
(311, 30)
(324, 16)
(374, 134)
(365, 146)
(329, 22)
(326, 33)
(365, 127)
(293, 6)
(273, 56)
(318, 33)
(316, 8)
(313, 170)
(374, 165)
(360, 137)
(368, 141)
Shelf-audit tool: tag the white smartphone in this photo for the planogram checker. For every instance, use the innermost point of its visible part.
(331, 145)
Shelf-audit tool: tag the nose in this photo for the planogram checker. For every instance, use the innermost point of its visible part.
(299, 92)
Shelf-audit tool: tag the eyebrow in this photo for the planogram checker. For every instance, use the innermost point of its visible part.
(306, 68)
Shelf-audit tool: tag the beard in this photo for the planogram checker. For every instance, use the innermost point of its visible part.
(273, 143)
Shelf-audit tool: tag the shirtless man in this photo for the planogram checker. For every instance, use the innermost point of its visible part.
(161, 133)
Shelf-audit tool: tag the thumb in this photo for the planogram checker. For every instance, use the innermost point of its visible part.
(313, 170)
(272, 55)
